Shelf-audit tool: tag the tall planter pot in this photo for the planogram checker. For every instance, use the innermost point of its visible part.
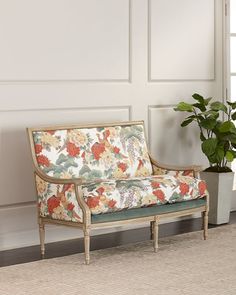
(220, 187)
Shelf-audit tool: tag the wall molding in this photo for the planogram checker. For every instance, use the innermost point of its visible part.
(149, 59)
(128, 107)
(108, 80)
(18, 205)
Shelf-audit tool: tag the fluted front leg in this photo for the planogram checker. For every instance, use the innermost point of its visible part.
(205, 224)
(87, 244)
(155, 233)
(42, 238)
(151, 229)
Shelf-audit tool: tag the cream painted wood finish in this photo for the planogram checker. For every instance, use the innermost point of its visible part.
(85, 61)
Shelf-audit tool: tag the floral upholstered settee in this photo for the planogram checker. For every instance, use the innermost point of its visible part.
(95, 175)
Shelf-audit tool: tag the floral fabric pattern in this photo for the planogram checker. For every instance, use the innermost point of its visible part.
(116, 195)
(162, 171)
(93, 153)
(58, 201)
(116, 169)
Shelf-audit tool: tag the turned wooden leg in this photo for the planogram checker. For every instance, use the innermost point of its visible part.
(205, 224)
(87, 244)
(42, 238)
(155, 233)
(151, 229)
(202, 213)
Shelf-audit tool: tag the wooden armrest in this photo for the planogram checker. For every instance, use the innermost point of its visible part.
(75, 181)
(195, 168)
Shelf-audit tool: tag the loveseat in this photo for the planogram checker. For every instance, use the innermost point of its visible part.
(102, 174)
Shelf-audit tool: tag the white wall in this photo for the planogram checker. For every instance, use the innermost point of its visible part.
(98, 60)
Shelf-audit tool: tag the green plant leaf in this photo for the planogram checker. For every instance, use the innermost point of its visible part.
(231, 137)
(219, 153)
(233, 116)
(209, 146)
(208, 123)
(184, 107)
(226, 146)
(186, 122)
(211, 113)
(232, 104)
(230, 156)
(201, 107)
(198, 97)
(227, 127)
(212, 159)
(202, 137)
(218, 106)
(220, 142)
(207, 100)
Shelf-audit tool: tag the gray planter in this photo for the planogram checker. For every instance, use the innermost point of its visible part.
(220, 187)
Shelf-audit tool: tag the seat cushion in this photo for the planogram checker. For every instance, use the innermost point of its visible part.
(116, 195)
(148, 211)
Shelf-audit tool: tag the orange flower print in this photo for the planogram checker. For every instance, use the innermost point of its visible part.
(122, 166)
(111, 203)
(100, 190)
(202, 187)
(116, 150)
(72, 149)
(155, 184)
(184, 188)
(53, 203)
(159, 194)
(187, 173)
(43, 160)
(51, 132)
(93, 202)
(140, 164)
(106, 134)
(70, 207)
(97, 150)
(38, 148)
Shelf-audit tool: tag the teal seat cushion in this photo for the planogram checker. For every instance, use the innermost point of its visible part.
(147, 211)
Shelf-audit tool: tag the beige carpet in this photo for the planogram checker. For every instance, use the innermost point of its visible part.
(185, 264)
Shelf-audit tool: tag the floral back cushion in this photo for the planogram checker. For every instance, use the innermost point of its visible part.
(93, 153)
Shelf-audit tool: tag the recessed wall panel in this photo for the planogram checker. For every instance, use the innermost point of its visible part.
(181, 39)
(64, 40)
(16, 172)
(169, 142)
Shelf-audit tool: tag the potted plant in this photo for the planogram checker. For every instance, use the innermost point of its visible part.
(218, 137)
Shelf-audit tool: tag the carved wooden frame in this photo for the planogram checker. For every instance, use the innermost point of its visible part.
(87, 225)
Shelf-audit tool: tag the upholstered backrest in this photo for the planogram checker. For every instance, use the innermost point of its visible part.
(92, 152)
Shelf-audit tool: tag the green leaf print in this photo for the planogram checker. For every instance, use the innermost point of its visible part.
(129, 184)
(175, 197)
(95, 174)
(62, 158)
(70, 162)
(84, 169)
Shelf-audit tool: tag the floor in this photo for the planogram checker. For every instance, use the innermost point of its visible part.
(69, 247)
